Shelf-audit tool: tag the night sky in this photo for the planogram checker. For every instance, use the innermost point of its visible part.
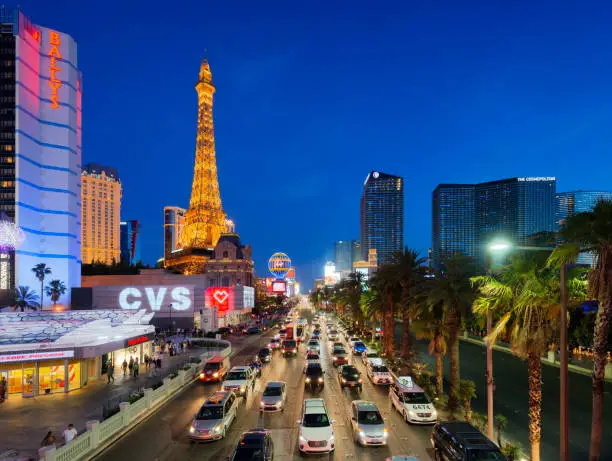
(311, 98)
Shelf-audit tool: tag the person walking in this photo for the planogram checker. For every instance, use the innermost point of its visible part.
(131, 366)
(158, 362)
(146, 361)
(124, 365)
(110, 372)
(3, 389)
(136, 368)
(48, 440)
(70, 433)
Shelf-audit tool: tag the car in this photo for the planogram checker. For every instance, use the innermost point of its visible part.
(339, 356)
(214, 417)
(274, 344)
(289, 347)
(252, 330)
(369, 354)
(333, 345)
(412, 402)
(352, 340)
(265, 355)
(459, 440)
(332, 335)
(239, 380)
(348, 333)
(316, 433)
(254, 445)
(215, 369)
(359, 347)
(283, 333)
(313, 345)
(378, 372)
(368, 425)
(273, 397)
(312, 356)
(349, 376)
(314, 376)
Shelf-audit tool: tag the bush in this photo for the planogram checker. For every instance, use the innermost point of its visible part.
(135, 397)
(512, 451)
(157, 385)
(173, 375)
(187, 367)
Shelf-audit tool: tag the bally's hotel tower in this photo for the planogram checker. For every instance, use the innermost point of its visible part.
(40, 148)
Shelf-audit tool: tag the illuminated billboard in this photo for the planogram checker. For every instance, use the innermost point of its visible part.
(330, 274)
(279, 286)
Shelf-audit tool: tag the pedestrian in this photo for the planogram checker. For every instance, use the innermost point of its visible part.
(182, 347)
(48, 440)
(131, 366)
(158, 362)
(110, 372)
(70, 433)
(3, 388)
(136, 368)
(146, 361)
(124, 365)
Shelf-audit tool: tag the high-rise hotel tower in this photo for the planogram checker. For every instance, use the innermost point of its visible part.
(40, 147)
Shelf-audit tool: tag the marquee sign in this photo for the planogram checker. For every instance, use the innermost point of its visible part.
(137, 340)
(54, 53)
(33, 356)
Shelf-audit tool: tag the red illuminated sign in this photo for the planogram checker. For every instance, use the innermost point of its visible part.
(220, 297)
(139, 340)
(54, 53)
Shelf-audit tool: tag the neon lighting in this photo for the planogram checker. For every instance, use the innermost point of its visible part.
(36, 35)
(220, 296)
(139, 340)
(54, 54)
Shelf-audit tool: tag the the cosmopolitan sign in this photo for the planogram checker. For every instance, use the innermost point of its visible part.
(157, 298)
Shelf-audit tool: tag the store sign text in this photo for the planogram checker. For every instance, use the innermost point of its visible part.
(54, 54)
(178, 299)
(139, 340)
(31, 356)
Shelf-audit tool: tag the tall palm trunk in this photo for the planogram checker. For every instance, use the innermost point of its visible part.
(439, 370)
(535, 403)
(406, 335)
(453, 346)
(602, 326)
(390, 328)
(42, 294)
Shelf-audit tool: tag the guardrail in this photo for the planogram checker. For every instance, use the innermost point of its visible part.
(100, 434)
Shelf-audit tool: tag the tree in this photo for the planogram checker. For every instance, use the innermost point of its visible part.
(25, 299)
(467, 392)
(452, 289)
(411, 274)
(372, 307)
(55, 289)
(500, 423)
(41, 271)
(386, 282)
(431, 324)
(592, 231)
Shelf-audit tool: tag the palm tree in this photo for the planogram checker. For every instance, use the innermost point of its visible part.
(411, 273)
(372, 307)
(25, 298)
(592, 231)
(451, 287)
(55, 289)
(467, 391)
(500, 423)
(41, 270)
(386, 282)
(431, 324)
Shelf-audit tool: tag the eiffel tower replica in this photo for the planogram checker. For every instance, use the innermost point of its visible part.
(205, 219)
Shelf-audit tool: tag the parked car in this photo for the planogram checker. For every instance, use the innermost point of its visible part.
(254, 445)
(460, 441)
(240, 380)
(273, 397)
(314, 376)
(214, 370)
(349, 376)
(316, 434)
(214, 417)
(412, 402)
(368, 425)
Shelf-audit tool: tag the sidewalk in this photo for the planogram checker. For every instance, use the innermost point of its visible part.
(26, 421)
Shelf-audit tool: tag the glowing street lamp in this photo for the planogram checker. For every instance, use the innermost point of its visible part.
(499, 246)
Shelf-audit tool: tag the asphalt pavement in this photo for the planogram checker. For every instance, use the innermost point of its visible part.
(164, 436)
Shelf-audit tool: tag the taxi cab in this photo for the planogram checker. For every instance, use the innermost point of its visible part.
(412, 402)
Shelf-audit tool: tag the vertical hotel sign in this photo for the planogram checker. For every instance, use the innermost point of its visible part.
(54, 54)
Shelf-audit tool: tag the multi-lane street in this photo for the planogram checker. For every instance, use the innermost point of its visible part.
(165, 435)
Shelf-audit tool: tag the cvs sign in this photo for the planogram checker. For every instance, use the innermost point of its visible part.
(155, 298)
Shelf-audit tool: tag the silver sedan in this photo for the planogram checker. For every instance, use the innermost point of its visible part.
(273, 397)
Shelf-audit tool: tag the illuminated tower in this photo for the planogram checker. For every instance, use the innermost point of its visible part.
(205, 219)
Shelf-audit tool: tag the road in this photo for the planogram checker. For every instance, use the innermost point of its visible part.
(163, 437)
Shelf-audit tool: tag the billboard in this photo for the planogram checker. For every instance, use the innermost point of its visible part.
(279, 287)
(163, 300)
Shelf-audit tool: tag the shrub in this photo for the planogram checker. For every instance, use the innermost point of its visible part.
(157, 385)
(135, 397)
(512, 451)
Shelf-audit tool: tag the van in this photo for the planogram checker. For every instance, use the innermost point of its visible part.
(412, 402)
(214, 418)
(215, 369)
(460, 441)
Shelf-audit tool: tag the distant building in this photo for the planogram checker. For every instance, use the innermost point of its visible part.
(343, 255)
(466, 217)
(382, 215)
(174, 220)
(574, 202)
(101, 204)
(231, 263)
(319, 284)
(369, 267)
(130, 242)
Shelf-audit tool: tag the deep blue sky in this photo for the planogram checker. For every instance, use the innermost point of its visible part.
(311, 98)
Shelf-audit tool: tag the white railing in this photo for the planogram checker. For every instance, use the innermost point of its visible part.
(99, 434)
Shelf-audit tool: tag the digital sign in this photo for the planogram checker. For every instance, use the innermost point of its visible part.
(31, 356)
(279, 287)
(54, 54)
(153, 298)
(220, 297)
(138, 340)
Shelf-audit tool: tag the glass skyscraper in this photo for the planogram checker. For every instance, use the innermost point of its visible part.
(346, 252)
(465, 217)
(382, 215)
(574, 202)
(130, 242)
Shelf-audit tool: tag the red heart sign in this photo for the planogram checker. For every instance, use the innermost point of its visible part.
(220, 296)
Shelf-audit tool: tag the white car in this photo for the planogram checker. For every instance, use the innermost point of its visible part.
(313, 345)
(332, 335)
(368, 425)
(312, 356)
(240, 380)
(368, 355)
(316, 431)
(378, 372)
(412, 402)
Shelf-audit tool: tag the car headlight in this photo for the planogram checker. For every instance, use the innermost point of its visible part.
(241, 388)
(359, 380)
(343, 380)
(331, 439)
(218, 428)
(411, 413)
(201, 375)
(302, 439)
(294, 350)
(385, 432)
(361, 434)
(261, 404)
(434, 414)
(191, 430)
(307, 380)
(215, 374)
(320, 380)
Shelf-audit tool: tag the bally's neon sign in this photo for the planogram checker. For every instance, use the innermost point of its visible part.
(54, 54)
(131, 298)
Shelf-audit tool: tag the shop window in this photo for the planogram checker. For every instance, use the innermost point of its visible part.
(74, 375)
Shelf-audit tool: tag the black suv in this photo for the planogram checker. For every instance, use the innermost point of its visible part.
(460, 441)
(314, 376)
(349, 376)
(254, 445)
